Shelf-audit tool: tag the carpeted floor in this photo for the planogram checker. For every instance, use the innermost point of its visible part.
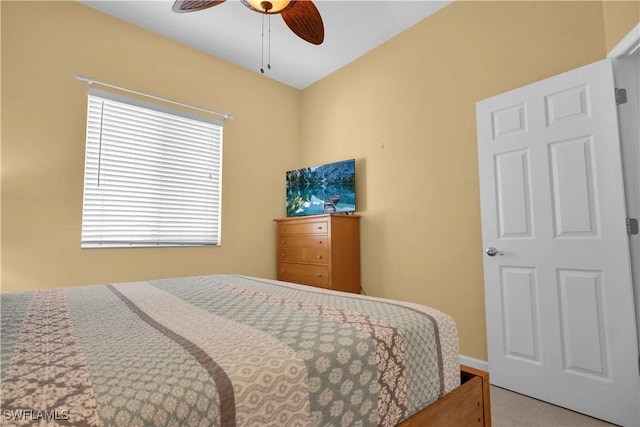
(510, 409)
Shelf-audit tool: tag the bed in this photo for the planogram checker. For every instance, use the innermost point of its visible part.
(228, 350)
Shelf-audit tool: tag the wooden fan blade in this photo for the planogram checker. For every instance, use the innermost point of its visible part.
(182, 6)
(305, 21)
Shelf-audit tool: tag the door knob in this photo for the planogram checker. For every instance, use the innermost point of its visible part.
(491, 251)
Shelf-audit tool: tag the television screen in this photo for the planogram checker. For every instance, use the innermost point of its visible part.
(328, 188)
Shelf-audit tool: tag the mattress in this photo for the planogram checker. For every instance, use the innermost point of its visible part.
(220, 350)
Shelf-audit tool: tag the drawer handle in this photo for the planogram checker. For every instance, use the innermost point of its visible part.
(319, 242)
(318, 275)
(320, 227)
(284, 255)
(284, 271)
(319, 256)
(284, 242)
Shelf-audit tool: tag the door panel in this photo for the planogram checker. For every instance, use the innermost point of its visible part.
(520, 309)
(559, 301)
(581, 314)
(566, 105)
(514, 197)
(572, 185)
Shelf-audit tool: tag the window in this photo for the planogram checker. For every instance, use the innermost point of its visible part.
(152, 175)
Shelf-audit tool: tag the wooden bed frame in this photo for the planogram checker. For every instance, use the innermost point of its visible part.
(467, 405)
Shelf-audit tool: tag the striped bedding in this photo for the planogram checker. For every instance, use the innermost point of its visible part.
(220, 350)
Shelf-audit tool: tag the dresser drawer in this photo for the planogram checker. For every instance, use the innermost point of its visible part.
(317, 275)
(317, 242)
(310, 227)
(314, 255)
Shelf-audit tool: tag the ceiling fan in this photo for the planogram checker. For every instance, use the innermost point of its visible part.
(301, 16)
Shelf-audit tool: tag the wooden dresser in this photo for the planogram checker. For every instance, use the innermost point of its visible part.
(320, 250)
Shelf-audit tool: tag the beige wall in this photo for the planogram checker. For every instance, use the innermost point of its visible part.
(406, 111)
(619, 18)
(43, 130)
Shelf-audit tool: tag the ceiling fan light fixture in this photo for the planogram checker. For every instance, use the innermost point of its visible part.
(269, 7)
(301, 16)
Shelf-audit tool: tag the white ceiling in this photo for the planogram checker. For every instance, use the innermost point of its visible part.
(233, 32)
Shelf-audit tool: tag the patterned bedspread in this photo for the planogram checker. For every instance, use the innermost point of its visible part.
(220, 350)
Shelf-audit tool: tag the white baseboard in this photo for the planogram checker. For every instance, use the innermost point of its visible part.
(474, 363)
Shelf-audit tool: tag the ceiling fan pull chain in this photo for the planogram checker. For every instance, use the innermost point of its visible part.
(269, 51)
(262, 47)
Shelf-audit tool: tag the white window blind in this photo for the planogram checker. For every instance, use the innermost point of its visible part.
(152, 175)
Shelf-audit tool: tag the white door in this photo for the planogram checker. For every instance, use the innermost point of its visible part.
(559, 299)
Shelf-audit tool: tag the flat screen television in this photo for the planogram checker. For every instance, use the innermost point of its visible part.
(327, 188)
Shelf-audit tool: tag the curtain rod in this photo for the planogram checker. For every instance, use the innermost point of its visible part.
(91, 81)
